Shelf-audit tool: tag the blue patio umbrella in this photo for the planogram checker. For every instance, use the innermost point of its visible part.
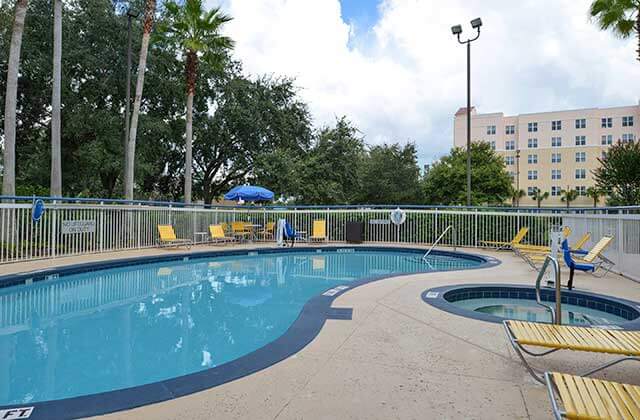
(249, 193)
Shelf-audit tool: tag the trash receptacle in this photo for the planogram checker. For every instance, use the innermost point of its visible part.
(355, 232)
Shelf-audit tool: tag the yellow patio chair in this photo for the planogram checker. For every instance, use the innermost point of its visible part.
(589, 399)
(564, 337)
(506, 245)
(268, 231)
(168, 237)
(239, 230)
(319, 230)
(218, 235)
(594, 256)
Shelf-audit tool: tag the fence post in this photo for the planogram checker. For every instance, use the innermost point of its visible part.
(101, 229)
(54, 223)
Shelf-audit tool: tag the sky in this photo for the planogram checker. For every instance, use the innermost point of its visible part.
(394, 68)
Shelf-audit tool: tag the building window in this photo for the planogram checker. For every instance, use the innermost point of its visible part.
(510, 145)
(532, 127)
(556, 125)
(607, 139)
(509, 160)
(581, 140)
(582, 190)
(532, 159)
(532, 175)
(556, 174)
(581, 123)
(628, 138)
(491, 129)
(556, 157)
(581, 157)
(627, 121)
(512, 175)
(492, 144)
(603, 155)
(556, 141)
(509, 129)
(532, 143)
(606, 122)
(581, 174)
(531, 191)
(556, 191)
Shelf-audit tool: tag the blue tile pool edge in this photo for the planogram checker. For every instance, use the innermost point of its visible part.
(300, 333)
(436, 297)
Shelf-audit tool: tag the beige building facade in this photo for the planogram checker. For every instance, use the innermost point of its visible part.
(551, 151)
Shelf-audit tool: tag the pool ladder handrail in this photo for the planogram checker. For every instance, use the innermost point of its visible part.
(450, 227)
(556, 315)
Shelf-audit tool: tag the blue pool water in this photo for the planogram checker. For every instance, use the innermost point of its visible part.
(122, 327)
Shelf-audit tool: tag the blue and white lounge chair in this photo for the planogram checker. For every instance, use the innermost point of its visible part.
(573, 264)
(291, 235)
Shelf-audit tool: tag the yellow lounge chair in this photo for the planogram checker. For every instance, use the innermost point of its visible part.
(586, 398)
(319, 230)
(566, 232)
(506, 245)
(268, 231)
(218, 235)
(594, 256)
(168, 237)
(531, 254)
(564, 337)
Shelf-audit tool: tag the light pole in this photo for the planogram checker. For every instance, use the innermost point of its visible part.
(131, 14)
(457, 30)
(518, 175)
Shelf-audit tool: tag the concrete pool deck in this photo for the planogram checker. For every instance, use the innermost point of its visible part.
(397, 358)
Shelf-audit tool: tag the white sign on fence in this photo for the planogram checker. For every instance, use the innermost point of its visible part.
(78, 226)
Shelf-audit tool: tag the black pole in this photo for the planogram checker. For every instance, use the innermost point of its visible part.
(518, 177)
(468, 123)
(128, 104)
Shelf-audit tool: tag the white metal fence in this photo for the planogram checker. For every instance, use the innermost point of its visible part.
(80, 228)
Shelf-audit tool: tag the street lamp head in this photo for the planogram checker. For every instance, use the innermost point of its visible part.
(456, 30)
(132, 13)
(476, 23)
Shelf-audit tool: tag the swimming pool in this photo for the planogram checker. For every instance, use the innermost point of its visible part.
(170, 327)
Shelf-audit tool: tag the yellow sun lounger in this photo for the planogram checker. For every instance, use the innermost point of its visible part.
(594, 256)
(587, 398)
(566, 232)
(319, 230)
(564, 337)
(168, 237)
(218, 235)
(506, 245)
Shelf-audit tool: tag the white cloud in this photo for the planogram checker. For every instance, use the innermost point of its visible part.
(404, 79)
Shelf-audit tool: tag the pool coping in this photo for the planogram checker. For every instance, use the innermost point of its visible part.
(436, 297)
(300, 333)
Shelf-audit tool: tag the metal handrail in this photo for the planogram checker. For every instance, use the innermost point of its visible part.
(440, 238)
(556, 315)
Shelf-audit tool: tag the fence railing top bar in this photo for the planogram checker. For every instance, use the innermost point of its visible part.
(360, 207)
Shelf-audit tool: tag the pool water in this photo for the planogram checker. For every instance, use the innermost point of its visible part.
(529, 310)
(122, 327)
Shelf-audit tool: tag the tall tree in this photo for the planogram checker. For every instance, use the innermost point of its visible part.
(56, 159)
(130, 147)
(197, 33)
(446, 180)
(569, 195)
(620, 16)
(619, 174)
(538, 196)
(11, 100)
(594, 193)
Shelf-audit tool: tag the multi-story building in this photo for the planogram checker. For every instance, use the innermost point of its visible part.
(551, 151)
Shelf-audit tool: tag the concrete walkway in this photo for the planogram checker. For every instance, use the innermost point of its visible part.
(398, 358)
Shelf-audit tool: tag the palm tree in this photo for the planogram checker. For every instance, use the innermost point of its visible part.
(594, 193)
(11, 100)
(197, 33)
(56, 160)
(569, 195)
(130, 147)
(620, 16)
(516, 195)
(539, 196)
